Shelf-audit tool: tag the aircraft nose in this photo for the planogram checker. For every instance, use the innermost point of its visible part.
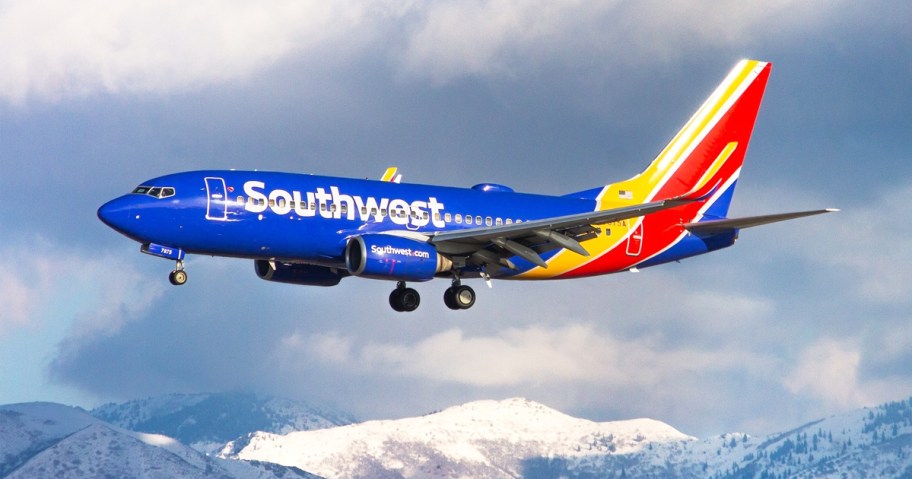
(115, 213)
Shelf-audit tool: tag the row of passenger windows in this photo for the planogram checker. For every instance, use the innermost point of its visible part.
(343, 210)
(156, 191)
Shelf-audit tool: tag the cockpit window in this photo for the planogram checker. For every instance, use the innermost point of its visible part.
(154, 191)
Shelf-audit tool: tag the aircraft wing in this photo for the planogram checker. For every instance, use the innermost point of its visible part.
(494, 244)
(727, 224)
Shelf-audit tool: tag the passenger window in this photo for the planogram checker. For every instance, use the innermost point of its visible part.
(478, 220)
(322, 206)
(458, 218)
(509, 221)
(240, 200)
(489, 221)
(447, 217)
(468, 219)
(343, 209)
(271, 202)
(363, 210)
(498, 222)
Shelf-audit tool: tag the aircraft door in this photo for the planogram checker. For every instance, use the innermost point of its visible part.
(216, 199)
(635, 241)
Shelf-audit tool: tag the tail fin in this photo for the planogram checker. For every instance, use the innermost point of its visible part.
(709, 148)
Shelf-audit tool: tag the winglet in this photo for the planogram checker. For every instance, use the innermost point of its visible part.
(391, 176)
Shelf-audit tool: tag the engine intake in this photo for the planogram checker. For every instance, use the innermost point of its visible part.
(382, 256)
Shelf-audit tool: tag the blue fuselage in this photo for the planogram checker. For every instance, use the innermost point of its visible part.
(308, 218)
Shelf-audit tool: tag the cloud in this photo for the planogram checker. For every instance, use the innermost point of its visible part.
(93, 294)
(62, 49)
(828, 370)
(482, 38)
(532, 355)
(59, 48)
(18, 296)
(867, 245)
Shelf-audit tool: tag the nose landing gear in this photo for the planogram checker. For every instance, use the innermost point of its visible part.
(178, 276)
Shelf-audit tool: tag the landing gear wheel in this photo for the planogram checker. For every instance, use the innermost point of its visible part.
(178, 277)
(449, 298)
(464, 297)
(459, 297)
(404, 299)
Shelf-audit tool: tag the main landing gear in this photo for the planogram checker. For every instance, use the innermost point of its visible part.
(178, 276)
(457, 296)
(404, 299)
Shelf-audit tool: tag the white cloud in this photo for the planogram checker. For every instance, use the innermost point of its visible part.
(94, 294)
(869, 245)
(58, 48)
(828, 370)
(19, 300)
(533, 355)
(478, 38)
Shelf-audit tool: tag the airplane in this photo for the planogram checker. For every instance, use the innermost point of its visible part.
(317, 230)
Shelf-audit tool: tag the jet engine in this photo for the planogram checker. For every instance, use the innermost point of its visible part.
(295, 273)
(381, 256)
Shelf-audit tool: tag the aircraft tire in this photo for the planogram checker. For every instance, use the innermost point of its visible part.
(178, 277)
(449, 298)
(464, 297)
(404, 299)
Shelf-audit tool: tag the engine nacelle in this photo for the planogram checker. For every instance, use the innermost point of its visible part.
(382, 256)
(293, 273)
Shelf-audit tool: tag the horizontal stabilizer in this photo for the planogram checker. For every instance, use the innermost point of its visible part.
(719, 226)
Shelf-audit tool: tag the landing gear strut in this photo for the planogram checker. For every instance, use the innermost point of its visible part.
(459, 296)
(404, 299)
(178, 276)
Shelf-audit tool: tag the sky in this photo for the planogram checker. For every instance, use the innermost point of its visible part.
(798, 321)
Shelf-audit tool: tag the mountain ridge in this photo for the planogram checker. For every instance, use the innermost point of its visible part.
(513, 437)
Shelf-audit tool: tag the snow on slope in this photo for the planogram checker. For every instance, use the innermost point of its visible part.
(51, 440)
(479, 439)
(207, 421)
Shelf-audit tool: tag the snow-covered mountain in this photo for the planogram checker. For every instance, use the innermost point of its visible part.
(207, 421)
(519, 438)
(479, 439)
(51, 440)
(484, 439)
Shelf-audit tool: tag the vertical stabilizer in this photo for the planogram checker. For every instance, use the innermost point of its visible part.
(709, 148)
